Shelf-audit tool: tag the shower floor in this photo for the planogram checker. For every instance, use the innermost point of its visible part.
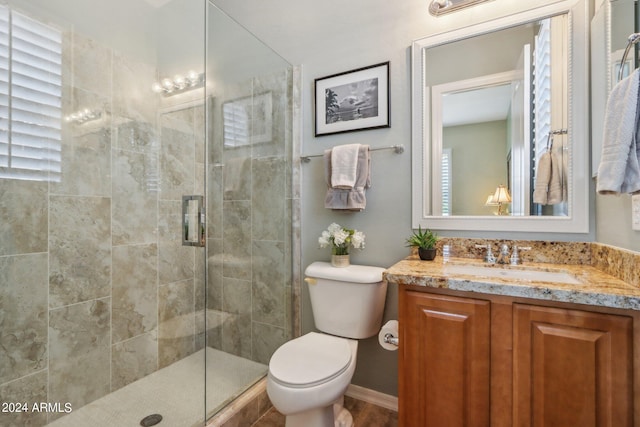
(175, 392)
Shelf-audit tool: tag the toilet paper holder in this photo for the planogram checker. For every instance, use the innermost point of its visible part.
(389, 338)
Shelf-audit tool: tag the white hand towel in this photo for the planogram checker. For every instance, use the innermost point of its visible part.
(353, 199)
(555, 191)
(543, 178)
(619, 170)
(631, 183)
(344, 164)
(549, 186)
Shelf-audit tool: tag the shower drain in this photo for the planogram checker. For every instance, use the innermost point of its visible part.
(151, 420)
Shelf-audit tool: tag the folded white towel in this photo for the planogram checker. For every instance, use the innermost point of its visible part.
(543, 177)
(344, 164)
(555, 192)
(619, 169)
(631, 183)
(353, 199)
(550, 184)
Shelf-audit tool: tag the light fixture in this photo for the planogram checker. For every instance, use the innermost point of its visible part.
(490, 201)
(179, 83)
(440, 7)
(83, 116)
(501, 196)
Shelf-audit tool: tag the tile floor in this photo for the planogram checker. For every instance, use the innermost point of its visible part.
(176, 392)
(364, 415)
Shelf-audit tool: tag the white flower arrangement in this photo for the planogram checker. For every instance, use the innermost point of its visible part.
(340, 239)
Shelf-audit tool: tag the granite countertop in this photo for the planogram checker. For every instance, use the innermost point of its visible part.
(591, 286)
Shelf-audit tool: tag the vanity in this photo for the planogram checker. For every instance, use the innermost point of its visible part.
(554, 341)
(537, 344)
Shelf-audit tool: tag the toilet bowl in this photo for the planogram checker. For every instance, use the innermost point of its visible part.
(309, 375)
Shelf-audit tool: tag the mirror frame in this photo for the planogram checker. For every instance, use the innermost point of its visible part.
(578, 125)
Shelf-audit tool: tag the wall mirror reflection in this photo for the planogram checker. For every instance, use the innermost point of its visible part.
(495, 114)
(494, 129)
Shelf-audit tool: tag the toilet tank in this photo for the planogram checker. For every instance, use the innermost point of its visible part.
(347, 301)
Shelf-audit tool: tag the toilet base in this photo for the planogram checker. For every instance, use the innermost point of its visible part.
(335, 415)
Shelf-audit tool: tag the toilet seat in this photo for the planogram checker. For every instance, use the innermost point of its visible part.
(310, 360)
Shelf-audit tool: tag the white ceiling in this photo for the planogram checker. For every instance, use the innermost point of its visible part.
(476, 106)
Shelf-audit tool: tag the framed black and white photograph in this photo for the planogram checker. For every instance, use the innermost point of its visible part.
(353, 100)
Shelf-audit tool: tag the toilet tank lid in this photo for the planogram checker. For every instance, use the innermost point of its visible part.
(352, 273)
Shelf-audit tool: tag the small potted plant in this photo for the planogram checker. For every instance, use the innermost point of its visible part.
(425, 240)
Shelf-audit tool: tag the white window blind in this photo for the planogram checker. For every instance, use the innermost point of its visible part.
(30, 98)
(446, 181)
(248, 120)
(542, 87)
(236, 122)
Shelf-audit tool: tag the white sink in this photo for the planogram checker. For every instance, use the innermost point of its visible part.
(513, 274)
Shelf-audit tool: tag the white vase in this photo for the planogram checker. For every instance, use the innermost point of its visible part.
(340, 261)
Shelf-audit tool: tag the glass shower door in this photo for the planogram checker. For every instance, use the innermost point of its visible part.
(249, 207)
(101, 307)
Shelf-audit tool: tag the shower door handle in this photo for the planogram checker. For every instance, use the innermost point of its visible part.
(193, 221)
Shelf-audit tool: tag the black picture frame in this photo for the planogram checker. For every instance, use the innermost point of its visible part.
(354, 100)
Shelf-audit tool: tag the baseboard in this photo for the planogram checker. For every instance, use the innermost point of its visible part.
(374, 397)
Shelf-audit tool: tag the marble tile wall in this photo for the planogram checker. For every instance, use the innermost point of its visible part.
(97, 290)
(95, 279)
(251, 212)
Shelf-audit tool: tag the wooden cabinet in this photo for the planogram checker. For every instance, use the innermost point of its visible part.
(571, 368)
(499, 361)
(445, 362)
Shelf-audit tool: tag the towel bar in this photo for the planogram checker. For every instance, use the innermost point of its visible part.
(633, 39)
(398, 149)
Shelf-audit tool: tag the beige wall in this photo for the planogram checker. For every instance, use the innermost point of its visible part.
(479, 164)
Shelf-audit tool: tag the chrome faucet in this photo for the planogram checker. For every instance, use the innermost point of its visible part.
(503, 257)
(489, 257)
(515, 256)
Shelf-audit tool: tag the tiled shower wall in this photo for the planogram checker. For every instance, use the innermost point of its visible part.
(251, 210)
(96, 290)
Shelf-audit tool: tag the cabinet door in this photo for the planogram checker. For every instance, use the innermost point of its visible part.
(571, 368)
(444, 361)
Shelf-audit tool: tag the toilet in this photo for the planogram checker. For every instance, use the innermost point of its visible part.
(309, 375)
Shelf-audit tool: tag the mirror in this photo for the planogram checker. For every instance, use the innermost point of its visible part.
(496, 108)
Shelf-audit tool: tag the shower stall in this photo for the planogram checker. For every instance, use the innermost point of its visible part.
(148, 211)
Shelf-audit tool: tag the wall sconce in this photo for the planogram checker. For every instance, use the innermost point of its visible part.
(179, 83)
(83, 116)
(440, 7)
(501, 196)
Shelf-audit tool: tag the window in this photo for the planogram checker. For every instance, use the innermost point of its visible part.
(248, 120)
(446, 181)
(30, 98)
(542, 85)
